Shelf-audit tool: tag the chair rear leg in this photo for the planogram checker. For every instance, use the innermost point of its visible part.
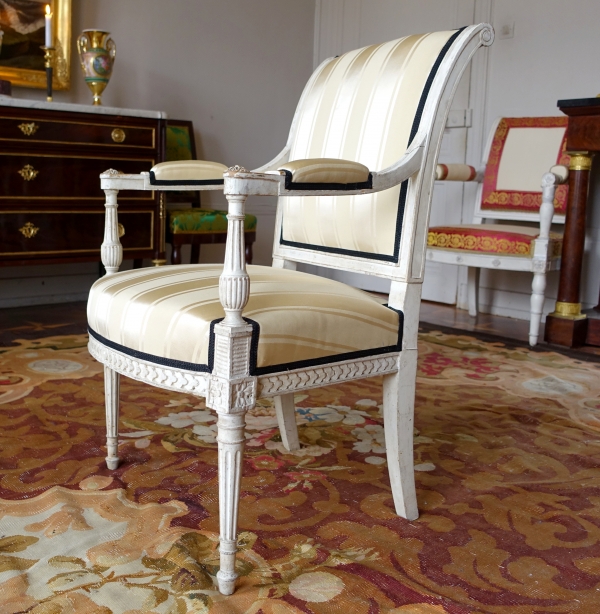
(398, 419)
(231, 440)
(538, 291)
(111, 396)
(195, 257)
(473, 290)
(286, 418)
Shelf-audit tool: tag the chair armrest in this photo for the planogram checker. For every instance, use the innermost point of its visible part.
(456, 172)
(323, 173)
(558, 174)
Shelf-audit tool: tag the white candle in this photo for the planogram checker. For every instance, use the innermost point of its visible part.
(48, 40)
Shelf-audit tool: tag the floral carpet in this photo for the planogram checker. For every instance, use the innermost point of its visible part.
(507, 453)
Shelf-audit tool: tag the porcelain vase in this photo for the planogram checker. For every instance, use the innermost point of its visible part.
(97, 55)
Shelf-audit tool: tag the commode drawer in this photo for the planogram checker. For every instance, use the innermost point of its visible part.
(53, 233)
(35, 177)
(114, 135)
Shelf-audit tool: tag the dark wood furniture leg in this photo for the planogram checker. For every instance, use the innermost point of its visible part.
(195, 257)
(138, 263)
(567, 325)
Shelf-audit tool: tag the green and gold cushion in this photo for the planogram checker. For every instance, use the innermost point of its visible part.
(200, 221)
(165, 315)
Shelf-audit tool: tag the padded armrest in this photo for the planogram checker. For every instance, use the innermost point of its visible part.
(455, 172)
(187, 172)
(323, 172)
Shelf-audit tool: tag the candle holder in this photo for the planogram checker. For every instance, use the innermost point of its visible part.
(49, 64)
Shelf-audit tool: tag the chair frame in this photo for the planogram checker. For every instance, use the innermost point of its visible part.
(539, 263)
(231, 389)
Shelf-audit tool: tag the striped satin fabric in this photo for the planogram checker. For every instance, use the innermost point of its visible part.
(166, 313)
(360, 106)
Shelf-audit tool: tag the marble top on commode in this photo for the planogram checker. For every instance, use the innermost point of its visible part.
(9, 101)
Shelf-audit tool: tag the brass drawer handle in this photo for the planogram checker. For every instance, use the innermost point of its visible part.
(28, 172)
(29, 230)
(121, 229)
(118, 135)
(28, 129)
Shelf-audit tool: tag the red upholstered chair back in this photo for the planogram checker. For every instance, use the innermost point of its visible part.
(520, 151)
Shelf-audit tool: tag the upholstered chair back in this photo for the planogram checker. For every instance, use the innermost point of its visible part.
(520, 151)
(366, 106)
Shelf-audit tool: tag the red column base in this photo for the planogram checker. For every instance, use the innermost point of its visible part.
(562, 331)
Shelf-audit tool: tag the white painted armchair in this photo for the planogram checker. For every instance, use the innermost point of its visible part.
(354, 186)
(521, 180)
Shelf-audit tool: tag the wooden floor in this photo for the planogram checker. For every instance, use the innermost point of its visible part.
(70, 318)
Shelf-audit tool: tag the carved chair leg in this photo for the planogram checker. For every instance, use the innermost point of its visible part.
(231, 441)
(538, 288)
(473, 290)
(195, 258)
(286, 418)
(111, 396)
(398, 418)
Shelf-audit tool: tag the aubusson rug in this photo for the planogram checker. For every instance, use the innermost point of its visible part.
(507, 447)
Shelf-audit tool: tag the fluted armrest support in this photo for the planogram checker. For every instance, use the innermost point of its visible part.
(455, 172)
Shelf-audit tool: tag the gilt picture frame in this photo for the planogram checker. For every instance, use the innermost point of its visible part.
(21, 59)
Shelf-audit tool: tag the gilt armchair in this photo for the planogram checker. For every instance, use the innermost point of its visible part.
(354, 187)
(521, 193)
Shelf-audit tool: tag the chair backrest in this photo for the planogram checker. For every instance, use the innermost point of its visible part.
(367, 106)
(180, 142)
(519, 151)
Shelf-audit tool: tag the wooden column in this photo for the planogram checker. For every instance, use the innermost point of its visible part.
(567, 325)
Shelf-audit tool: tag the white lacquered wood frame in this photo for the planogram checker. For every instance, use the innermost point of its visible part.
(231, 390)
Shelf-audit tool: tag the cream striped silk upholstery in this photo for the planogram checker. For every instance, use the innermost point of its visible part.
(166, 313)
(362, 106)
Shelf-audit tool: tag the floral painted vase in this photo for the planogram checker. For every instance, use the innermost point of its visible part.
(97, 55)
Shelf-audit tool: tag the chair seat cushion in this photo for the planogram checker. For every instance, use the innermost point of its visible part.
(199, 221)
(491, 239)
(165, 315)
(187, 172)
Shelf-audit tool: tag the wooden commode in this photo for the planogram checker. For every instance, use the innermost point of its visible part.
(51, 205)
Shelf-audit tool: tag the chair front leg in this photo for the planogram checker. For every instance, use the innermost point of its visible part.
(398, 419)
(111, 397)
(538, 293)
(231, 441)
(231, 389)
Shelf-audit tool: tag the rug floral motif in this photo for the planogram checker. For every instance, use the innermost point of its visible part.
(507, 458)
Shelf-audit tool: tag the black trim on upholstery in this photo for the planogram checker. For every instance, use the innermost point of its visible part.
(291, 185)
(154, 181)
(254, 370)
(404, 184)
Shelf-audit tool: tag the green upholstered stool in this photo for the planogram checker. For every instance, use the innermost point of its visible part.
(197, 226)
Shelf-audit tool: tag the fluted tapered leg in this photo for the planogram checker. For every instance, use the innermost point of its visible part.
(538, 293)
(231, 448)
(111, 396)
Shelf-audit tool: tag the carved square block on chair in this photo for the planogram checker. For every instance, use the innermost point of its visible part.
(355, 197)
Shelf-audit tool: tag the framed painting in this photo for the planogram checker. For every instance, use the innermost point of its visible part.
(21, 56)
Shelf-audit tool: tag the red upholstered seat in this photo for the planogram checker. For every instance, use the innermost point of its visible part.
(490, 239)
